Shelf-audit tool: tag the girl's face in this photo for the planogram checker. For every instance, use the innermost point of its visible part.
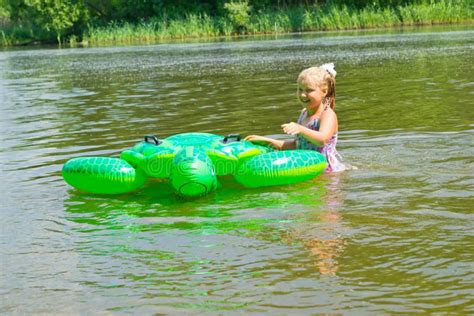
(310, 96)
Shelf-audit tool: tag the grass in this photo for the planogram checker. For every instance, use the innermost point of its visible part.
(157, 29)
(276, 21)
(299, 19)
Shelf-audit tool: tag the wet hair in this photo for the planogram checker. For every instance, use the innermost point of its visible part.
(318, 76)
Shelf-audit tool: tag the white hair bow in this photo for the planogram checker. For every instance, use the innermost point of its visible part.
(329, 67)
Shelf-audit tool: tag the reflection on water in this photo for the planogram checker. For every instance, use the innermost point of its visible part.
(393, 236)
(322, 230)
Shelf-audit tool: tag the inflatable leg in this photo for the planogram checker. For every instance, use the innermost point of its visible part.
(280, 167)
(156, 163)
(102, 175)
(192, 173)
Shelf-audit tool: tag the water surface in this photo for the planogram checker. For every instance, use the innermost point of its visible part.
(394, 236)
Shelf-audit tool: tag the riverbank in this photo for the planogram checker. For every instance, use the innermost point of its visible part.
(245, 21)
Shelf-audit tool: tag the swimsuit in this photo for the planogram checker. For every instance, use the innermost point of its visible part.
(335, 162)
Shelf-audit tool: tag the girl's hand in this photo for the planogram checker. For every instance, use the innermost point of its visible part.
(257, 139)
(292, 128)
(265, 141)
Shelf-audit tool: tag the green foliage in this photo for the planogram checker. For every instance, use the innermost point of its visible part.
(156, 29)
(126, 21)
(4, 12)
(57, 15)
(436, 12)
(238, 13)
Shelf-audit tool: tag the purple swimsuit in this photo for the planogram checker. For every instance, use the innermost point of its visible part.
(335, 162)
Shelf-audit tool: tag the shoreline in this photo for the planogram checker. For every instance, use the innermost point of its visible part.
(267, 22)
(238, 37)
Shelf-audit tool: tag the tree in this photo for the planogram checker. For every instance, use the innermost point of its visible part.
(57, 15)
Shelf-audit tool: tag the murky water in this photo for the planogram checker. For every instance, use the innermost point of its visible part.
(394, 236)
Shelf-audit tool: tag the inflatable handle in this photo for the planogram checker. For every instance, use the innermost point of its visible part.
(230, 137)
(155, 140)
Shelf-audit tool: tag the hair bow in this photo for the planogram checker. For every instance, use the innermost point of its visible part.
(329, 67)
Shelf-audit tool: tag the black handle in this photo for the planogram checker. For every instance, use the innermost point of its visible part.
(231, 137)
(151, 139)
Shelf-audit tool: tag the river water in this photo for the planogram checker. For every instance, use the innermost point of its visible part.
(393, 236)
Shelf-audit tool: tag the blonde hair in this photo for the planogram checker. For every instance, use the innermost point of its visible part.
(319, 76)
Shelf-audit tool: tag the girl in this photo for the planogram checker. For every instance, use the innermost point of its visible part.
(316, 127)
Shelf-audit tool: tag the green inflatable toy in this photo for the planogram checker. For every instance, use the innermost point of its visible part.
(192, 162)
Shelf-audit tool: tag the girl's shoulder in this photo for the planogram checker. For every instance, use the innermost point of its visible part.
(329, 118)
(328, 113)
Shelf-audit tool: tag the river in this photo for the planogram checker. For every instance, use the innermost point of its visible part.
(393, 236)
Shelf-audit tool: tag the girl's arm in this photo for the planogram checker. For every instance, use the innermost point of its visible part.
(327, 129)
(275, 143)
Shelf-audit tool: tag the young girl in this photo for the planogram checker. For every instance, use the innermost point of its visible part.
(317, 127)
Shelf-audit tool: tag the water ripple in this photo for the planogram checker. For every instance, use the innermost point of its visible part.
(393, 236)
